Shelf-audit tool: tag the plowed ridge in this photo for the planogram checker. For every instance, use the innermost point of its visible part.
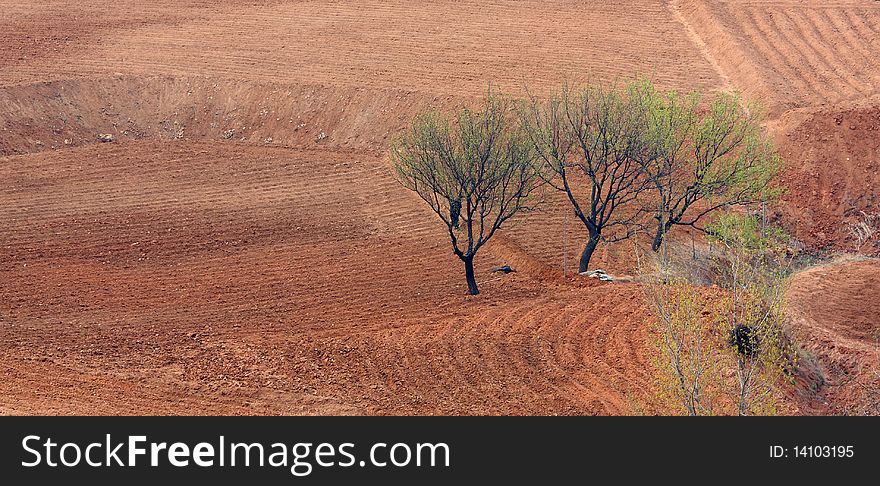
(793, 54)
(243, 248)
(446, 47)
(294, 281)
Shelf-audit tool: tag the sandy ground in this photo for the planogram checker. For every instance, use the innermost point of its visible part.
(243, 249)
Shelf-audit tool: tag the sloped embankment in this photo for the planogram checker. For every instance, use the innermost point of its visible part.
(74, 112)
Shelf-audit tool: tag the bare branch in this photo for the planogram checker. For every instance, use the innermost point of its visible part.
(475, 171)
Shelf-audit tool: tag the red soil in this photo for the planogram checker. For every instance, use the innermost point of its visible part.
(243, 248)
(835, 309)
(833, 176)
(224, 272)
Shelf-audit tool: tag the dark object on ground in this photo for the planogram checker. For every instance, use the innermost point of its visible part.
(744, 340)
(505, 269)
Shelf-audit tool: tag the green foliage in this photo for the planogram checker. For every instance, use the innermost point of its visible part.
(754, 301)
(744, 234)
(757, 306)
(475, 171)
(687, 364)
(740, 329)
(587, 139)
(700, 160)
(624, 151)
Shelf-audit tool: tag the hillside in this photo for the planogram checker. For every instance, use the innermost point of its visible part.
(242, 248)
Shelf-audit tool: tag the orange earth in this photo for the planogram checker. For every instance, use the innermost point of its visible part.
(242, 247)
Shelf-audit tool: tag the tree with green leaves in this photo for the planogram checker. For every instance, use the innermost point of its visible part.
(699, 161)
(587, 140)
(687, 361)
(751, 313)
(724, 350)
(475, 170)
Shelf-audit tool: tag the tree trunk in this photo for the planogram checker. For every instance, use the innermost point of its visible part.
(588, 253)
(469, 275)
(658, 238)
(662, 230)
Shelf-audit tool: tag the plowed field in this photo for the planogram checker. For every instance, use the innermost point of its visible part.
(242, 248)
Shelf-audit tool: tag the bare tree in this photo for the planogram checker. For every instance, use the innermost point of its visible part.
(587, 139)
(687, 364)
(701, 162)
(475, 171)
(724, 350)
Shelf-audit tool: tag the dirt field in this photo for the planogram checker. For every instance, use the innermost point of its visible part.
(839, 329)
(243, 249)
